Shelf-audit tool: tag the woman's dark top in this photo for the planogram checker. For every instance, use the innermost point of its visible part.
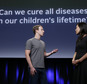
(81, 47)
(80, 71)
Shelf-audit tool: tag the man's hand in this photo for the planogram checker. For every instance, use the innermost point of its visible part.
(33, 71)
(50, 53)
(54, 51)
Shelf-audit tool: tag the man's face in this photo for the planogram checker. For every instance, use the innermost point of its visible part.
(40, 31)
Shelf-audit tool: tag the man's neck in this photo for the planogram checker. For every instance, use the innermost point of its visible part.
(37, 36)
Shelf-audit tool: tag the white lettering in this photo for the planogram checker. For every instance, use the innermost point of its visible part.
(35, 12)
(5, 12)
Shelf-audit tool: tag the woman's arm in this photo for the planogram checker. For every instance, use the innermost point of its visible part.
(83, 58)
(74, 56)
(73, 60)
(80, 60)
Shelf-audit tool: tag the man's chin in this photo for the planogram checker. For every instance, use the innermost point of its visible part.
(77, 33)
(41, 35)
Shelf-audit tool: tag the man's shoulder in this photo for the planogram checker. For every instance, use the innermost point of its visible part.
(42, 41)
(30, 40)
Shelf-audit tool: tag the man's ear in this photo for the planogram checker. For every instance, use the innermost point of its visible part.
(36, 31)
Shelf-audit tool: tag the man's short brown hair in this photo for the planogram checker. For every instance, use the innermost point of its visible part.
(36, 27)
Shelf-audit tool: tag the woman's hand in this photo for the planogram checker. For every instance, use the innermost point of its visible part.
(75, 62)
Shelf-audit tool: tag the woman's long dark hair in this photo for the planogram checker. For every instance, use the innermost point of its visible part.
(83, 30)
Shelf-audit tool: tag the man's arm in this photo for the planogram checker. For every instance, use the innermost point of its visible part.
(50, 53)
(32, 69)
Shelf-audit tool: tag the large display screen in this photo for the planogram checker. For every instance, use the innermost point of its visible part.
(58, 18)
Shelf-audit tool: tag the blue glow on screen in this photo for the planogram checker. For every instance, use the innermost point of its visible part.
(57, 76)
(17, 73)
(50, 75)
(68, 82)
(6, 71)
(58, 79)
(22, 75)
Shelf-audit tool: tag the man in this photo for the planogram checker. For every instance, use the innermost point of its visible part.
(34, 53)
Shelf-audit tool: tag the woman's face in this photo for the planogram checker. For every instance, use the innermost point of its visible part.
(77, 30)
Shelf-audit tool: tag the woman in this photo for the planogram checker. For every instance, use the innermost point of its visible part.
(80, 56)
